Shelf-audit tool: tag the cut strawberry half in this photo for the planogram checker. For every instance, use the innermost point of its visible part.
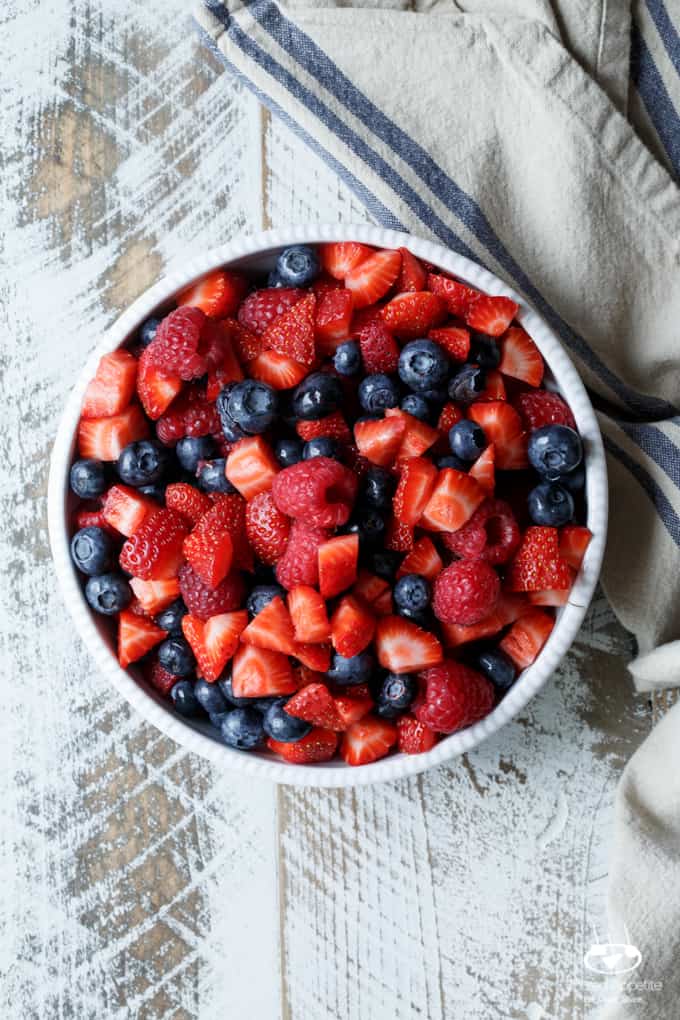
(262, 307)
(399, 536)
(520, 357)
(246, 344)
(454, 340)
(370, 587)
(490, 315)
(267, 528)
(411, 315)
(261, 673)
(154, 551)
(277, 370)
(271, 628)
(223, 364)
(413, 275)
(218, 294)
(383, 604)
(483, 470)
(228, 513)
(367, 740)
(538, 565)
(252, 466)
(552, 597)
(379, 349)
(403, 647)
(372, 277)
(338, 559)
(333, 319)
(156, 389)
(454, 499)
(494, 389)
(418, 435)
(319, 745)
(316, 658)
(105, 438)
(136, 636)
(379, 441)
(111, 390)
(352, 627)
(352, 707)
(308, 613)
(125, 509)
(314, 703)
(457, 296)
(292, 333)
(455, 634)
(573, 542)
(423, 559)
(503, 427)
(210, 553)
(450, 415)
(155, 596)
(416, 483)
(414, 737)
(92, 516)
(340, 257)
(527, 636)
(333, 425)
(214, 641)
(188, 501)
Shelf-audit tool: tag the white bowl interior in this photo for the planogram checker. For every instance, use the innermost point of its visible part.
(257, 254)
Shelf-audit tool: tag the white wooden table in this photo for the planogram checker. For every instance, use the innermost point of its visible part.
(137, 881)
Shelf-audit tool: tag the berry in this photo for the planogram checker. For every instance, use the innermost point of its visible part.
(156, 389)
(454, 696)
(418, 436)
(212, 477)
(347, 358)
(352, 707)
(176, 657)
(261, 595)
(189, 415)
(175, 348)
(314, 703)
(378, 392)
(218, 294)
(573, 542)
(379, 349)
(142, 463)
(484, 351)
(261, 673)
(550, 504)
(503, 427)
(210, 697)
(395, 695)
(484, 470)
(352, 627)
(108, 593)
(465, 592)
(136, 636)
(416, 483)
(490, 315)
(349, 671)
(160, 679)
(454, 340)
(210, 551)
(385, 563)
(416, 406)
(300, 563)
(292, 333)
(105, 438)
(225, 686)
(538, 565)
(319, 745)
(520, 357)
(379, 441)
(492, 534)
(204, 602)
(372, 277)
(184, 699)
(414, 737)
(252, 405)
(496, 667)
(554, 450)
(413, 275)
(243, 729)
(399, 536)
(340, 257)
(526, 637)
(317, 396)
(278, 371)
(186, 500)
(411, 595)
(126, 509)
(288, 452)
(308, 613)
(457, 296)
(333, 320)
(324, 446)
(467, 440)
(411, 315)
(367, 740)
(298, 265)
(170, 619)
(454, 499)
(88, 478)
(267, 528)
(377, 487)
(112, 388)
(92, 551)
(147, 331)
(251, 467)
(368, 525)
(154, 596)
(467, 384)
(262, 307)
(333, 426)
(403, 647)
(271, 628)
(319, 493)
(283, 727)
(542, 407)
(423, 366)
(423, 559)
(338, 559)
(214, 641)
(154, 551)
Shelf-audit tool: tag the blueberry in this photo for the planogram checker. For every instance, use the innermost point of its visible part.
(377, 487)
(368, 525)
(264, 704)
(142, 463)
(191, 450)
(212, 478)
(395, 694)
(385, 564)
(231, 431)
(496, 666)
(416, 405)
(452, 462)
(108, 593)
(261, 596)
(378, 392)
(92, 550)
(317, 396)
(210, 697)
(298, 266)
(356, 670)
(171, 618)
(175, 656)
(280, 726)
(274, 280)
(467, 384)
(156, 492)
(184, 699)
(550, 505)
(243, 729)
(484, 351)
(323, 446)
(288, 451)
(225, 686)
(88, 478)
(347, 358)
(575, 480)
(147, 331)
(217, 718)
(411, 594)
(423, 366)
(252, 405)
(554, 450)
(467, 439)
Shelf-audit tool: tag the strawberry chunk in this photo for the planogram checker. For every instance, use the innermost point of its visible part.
(339, 258)
(210, 552)
(292, 333)
(369, 587)
(155, 596)
(573, 542)
(136, 636)
(307, 610)
(277, 370)
(450, 415)
(271, 628)
(154, 551)
(338, 560)
(494, 389)
(418, 435)
(218, 294)
(543, 407)
(483, 470)
(491, 315)
(379, 349)
(416, 483)
(314, 703)
(527, 636)
(214, 641)
(413, 275)
(228, 513)
(333, 319)
(262, 307)
(223, 364)
(404, 647)
(352, 707)
(267, 528)
(300, 562)
(552, 597)
(520, 357)
(502, 427)
(454, 339)
(188, 501)
(319, 745)
(155, 388)
(246, 344)
(537, 565)
(125, 509)
(315, 658)
(367, 740)
(454, 499)
(422, 559)
(399, 536)
(352, 627)
(457, 296)
(333, 425)
(414, 737)
(261, 673)
(411, 315)
(252, 466)
(105, 438)
(372, 277)
(379, 441)
(111, 390)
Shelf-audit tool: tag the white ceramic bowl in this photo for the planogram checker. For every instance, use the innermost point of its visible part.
(258, 252)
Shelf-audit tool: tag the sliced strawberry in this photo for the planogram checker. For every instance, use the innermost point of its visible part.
(188, 501)
(155, 596)
(379, 441)
(260, 308)
(372, 277)
(370, 587)
(414, 737)
(543, 407)
(367, 740)
(218, 294)
(454, 499)
(278, 371)
(340, 257)
(352, 627)
(553, 597)
(379, 349)
(319, 745)
(308, 613)
(190, 414)
(214, 641)
(537, 565)
(338, 559)
(267, 528)
(246, 344)
(416, 483)
(490, 315)
(292, 333)
(457, 296)
(502, 427)
(454, 339)
(223, 364)
(156, 389)
(125, 509)
(210, 553)
(271, 628)
(316, 658)
(261, 673)
(526, 637)
(92, 516)
(352, 707)
(325, 283)
(252, 466)
(455, 634)
(403, 647)
(520, 357)
(314, 703)
(413, 275)
(154, 551)
(422, 559)
(160, 679)
(228, 513)
(483, 470)
(411, 315)
(333, 426)
(105, 438)
(111, 390)
(450, 415)
(136, 636)
(418, 435)
(573, 542)
(494, 389)
(333, 319)
(399, 536)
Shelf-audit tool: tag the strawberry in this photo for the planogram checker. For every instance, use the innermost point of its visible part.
(542, 407)
(214, 641)
(403, 647)
(369, 587)
(383, 604)
(454, 339)
(340, 257)
(246, 344)
(454, 499)
(494, 388)
(333, 425)
(92, 516)
(111, 390)
(411, 315)
(414, 737)
(188, 501)
(372, 277)
(526, 637)
(190, 414)
(413, 275)
(490, 315)
(573, 542)
(520, 357)
(154, 551)
(292, 333)
(308, 612)
(457, 296)
(228, 513)
(136, 636)
(552, 597)
(367, 740)
(352, 707)
(262, 307)
(160, 679)
(278, 371)
(352, 627)
(450, 415)
(398, 535)
(537, 565)
(105, 438)
(455, 634)
(125, 509)
(324, 284)
(333, 319)
(452, 696)
(155, 388)
(314, 703)
(218, 294)
(300, 562)
(379, 441)
(155, 596)
(483, 470)
(418, 435)
(318, 745)
(502, 427)
(251, 467)
(271, 628)
(267, 528)
(315, 658)
(379, 349)
(422, 559)
(261, 673)
(210, 552)
(338, 559)
(226, 367)
(413, 492)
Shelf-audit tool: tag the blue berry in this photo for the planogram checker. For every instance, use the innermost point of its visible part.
(264, 704)
(467, 384)
(217, 718)
(225, 686)
(243, 729)
(253, 405)
(156, 492)
(467, 439)
(280, 726)
(231, 431)
(496, 666)
(368, 525)
(377, 487)
(395, 695)
(171, 618)
(274, 280)
(88, 478)
(484, 351)
(416, 405)
(298, 265)
(423, 366)
(385, 564)
(147, 331)
(348, 672)
(323, 446)
(143, 463)
(212, 478)
(288, 451)
(452, 462)
(378, 392)
(184, 699)
(411, 594)
(317, 396)
(210, 697)
(191, 450)
(92, 550)
(575, 480)
(554, 450)
(108, 593)
(551, 505)
(347, 358)
(261, 596)
(175, 656)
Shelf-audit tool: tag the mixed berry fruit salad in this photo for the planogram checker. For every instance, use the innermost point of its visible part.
(331, 512)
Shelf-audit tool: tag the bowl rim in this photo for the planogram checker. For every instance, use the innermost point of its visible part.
(332, 774)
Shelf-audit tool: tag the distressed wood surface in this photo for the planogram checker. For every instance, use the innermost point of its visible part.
(137, 880)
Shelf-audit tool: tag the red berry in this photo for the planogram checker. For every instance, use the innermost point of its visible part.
(526, 637)
(161, 679)
(333, 319)
(292, 333)
(111, 390)
(154, 551)
(300, 562)
(492, 534)
(204, 602)
(379, 349)
(210, 552)
(454, 696)
(155, 388)
(154, 596)
(175, 347)
(272, 628)
(105, 438)
(538, 565)
(263, 306)
(267, 528)
(411, 315)
(465, 592)
(136, 636)
(318, 745)
(229, 513)
(190, 414)
(520, 357)
(413, 275)
(314, 703)
(214, 641)
(367, 740)
(320, 492)
(491, 315)
(251, 466)
(414, 737)
(372, 277)
(188, 501)
(458, 297)
(338, 258)
(217, 294)
(338, 560)
(333, 425)
(541, 407)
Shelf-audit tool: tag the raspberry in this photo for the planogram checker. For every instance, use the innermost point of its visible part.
(492, 534)
(300, 562)
(454, 696)
(267, 528)
(154, 551)
(379, 349)
(161, 679)
(263, 306)
(229, 514)
(190, 414)
(318, 492)
(175, 348)
(204, 602)
(541, 407)
(214, 344)
(188, 501)
(466, 592)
